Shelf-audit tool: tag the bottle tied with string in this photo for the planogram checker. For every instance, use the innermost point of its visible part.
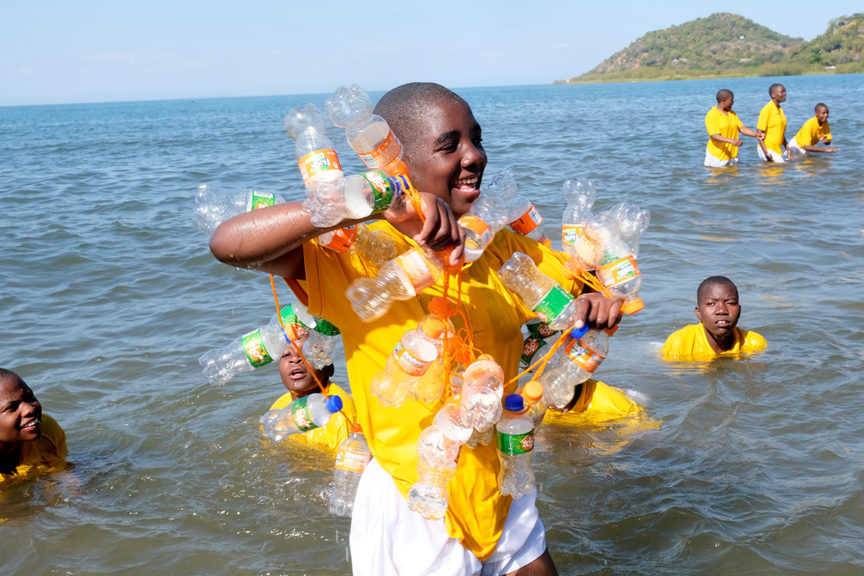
(522, 216)
(351, 460)
(482, 390)
(302, 415)
(515, 434)
(582, 351)
(215, 203)
(579, 196)
(320, 340)
(546, 298)
(253, 349)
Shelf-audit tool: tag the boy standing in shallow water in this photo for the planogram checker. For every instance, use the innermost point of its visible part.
(772, 123)
(723, 126)
(30, 441)
(814, 131)
(718, 310)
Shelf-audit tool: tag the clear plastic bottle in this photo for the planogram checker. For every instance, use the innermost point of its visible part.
(368, 134)
(215, 204)
(486, 217)
(319, 166)
(351, 460)
(617, 268)
(250, 351)
(515, 443)
(579, 196)
(412, 357)
(482, 389)
(302, 415)
(522, 216)
(532, 393)
(399, 279)
(373, 191)
(553, 305)
(428, 496)
(573, 363)
(321, 338)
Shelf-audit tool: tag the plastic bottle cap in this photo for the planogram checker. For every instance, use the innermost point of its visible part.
(514, 403)
(532, 391)
(433, 327)
(632, 306)
(577, 333)
(334, 404)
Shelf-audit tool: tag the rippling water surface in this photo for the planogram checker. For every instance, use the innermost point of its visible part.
(108, 295)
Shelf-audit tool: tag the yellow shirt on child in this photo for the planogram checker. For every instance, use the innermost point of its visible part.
(691, 343)
(45, 454)
(772, 121)
(331, 435)
(811, 133)
(726, 125)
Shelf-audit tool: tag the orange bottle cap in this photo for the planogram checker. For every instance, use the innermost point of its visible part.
(632, 306)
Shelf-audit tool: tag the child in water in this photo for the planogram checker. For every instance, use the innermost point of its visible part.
(30, 441)
(718, 310)
(300, 382)
(814, 131)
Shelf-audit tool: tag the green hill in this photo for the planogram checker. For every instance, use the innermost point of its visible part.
(731, 46)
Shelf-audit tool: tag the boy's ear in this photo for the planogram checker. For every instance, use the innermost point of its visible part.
(329, 370)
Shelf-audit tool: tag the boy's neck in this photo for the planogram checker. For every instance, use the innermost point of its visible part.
(721, 345)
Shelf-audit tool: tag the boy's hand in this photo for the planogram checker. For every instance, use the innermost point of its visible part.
(601, 312)
(439, 231)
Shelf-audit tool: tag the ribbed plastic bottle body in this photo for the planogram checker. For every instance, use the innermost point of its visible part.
(552, 304)
(486, 217)
(351, 461)
(428, 496)
(618, 270)
(302, 415)
(575, 362)
(482, 389)
(374, 246)
(436, 446)
(399, 279)
(409, 362)
(215, 204)
(368, 134)
(449, 419)
(250, 351)
(515, 434)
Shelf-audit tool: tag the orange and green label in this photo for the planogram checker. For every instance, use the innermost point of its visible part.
(301, 416)
(352, 461)
(552, 304)
(583, 356)
(387, 149)
(383, 190)
(317, 162)
(256, 353)
(618, 271)
(260, 200)
(514, 444)
(526, 223)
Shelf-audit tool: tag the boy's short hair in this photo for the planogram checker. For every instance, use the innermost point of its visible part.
(772, 88)
(723, 94)
(713, 281)
(820, 105)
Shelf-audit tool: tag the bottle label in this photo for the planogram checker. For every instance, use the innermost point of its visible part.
(382, 190)
(260, 200)
(514, 444)
(326, 328)
(530, 347)
(408, 362)
(317, 162)
(526, 223)
(401, 185)
(416, 268)
(341, 240)
(352, 461)
(480, 229)
(383, 153)
(618, 271)
(301, 416)
(553, 304)
(570, 234)
(583, 356)
(256, 353)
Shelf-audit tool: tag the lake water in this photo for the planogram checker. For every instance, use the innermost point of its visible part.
(108, 295)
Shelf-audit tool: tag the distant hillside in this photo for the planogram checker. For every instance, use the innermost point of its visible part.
(728, 45)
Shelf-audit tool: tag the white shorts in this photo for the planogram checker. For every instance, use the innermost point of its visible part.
(778, 158)
(713, 162)
(795, 149)
(387, 537)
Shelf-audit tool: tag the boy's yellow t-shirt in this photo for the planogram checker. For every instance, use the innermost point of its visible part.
(45, 454)
(772, 121)
(477, 510)
(691, 343)
(726, 125)
(810, 133)
(331, 435)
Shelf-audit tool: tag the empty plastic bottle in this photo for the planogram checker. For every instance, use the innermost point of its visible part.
(409, 362)
(553, 305)
(485, 218)
(428, 496)
(573, 363)
(482, 389)
(215, 204)
(532, 393)
(617, 268)
(368, 134)
(302, 415)
(250, 351)
(579, 196)
(522, 216)
(399, 279)
(351, 460)
(515, 443)
(372, 192)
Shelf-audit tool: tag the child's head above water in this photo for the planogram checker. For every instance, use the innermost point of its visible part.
(20, 412)
(296, 375)
(441, 139)
(718, 309)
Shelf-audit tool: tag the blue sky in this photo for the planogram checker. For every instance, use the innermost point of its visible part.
(97, 51)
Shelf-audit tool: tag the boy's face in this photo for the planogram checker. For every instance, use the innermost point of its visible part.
(821, 115)
(719, 310)
(447, 158)
(779, 94)
(20, 412)
(296, 375)
(726, 103)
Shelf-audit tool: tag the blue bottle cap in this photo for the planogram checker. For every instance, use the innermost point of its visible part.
(514, 403)
(334, 404)
(577, 333)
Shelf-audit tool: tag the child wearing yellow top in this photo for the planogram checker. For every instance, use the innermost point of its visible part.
(30, 441)
(718, 310)
(723, 126)
(772, 125)
(297, 378)
(814, 131)
(444, 154)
